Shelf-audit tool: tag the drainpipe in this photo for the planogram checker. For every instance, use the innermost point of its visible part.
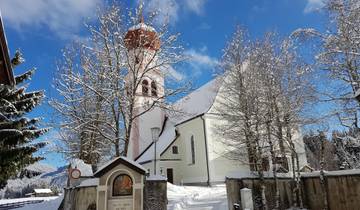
(206, 150)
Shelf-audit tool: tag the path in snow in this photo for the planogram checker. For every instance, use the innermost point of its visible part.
(197, 198)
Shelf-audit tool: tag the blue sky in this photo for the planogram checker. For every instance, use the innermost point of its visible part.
(41, 28)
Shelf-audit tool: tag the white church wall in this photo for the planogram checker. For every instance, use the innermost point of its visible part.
(220, 166)
(193, 173)
(142, 130)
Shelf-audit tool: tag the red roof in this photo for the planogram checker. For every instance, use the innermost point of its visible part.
(142, 35)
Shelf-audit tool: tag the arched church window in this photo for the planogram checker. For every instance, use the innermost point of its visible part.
(192, 145)
(175, 150)
(145, 87)
(122, 185)
(153, 89)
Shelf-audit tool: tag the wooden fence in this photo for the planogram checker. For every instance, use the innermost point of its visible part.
(342, 190)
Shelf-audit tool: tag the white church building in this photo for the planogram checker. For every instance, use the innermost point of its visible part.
(188, 150)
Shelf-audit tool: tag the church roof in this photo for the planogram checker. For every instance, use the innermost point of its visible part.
(119, 160)
(197, 102)
(191, 106)
(142, 35)
(167, 136)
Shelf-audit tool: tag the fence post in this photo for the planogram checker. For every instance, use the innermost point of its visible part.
(246, 199)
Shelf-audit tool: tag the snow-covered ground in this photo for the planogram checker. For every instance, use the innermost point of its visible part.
(180, 198)
(197, 198)
(49, 203)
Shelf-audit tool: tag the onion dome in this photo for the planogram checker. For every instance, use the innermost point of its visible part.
(142, 35)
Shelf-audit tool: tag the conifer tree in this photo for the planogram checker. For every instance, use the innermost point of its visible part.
(17, 132)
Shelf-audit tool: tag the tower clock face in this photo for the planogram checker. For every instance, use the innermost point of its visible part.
(75, 173)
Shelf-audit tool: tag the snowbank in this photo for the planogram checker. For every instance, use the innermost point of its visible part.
(50, 203)
(189, 197)
(156, 178)
(332, 173)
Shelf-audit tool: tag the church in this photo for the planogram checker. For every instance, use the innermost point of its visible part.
(184, 148)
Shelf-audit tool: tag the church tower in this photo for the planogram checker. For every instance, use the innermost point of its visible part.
(143, 43)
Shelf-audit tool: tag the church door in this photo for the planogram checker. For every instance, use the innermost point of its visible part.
(169, 175)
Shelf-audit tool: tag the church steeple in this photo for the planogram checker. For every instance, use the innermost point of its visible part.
(143, 43)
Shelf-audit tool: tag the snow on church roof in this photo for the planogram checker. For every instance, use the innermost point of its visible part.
(167, 136)
(196, 103)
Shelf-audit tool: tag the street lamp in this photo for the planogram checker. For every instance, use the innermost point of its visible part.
(155, 131)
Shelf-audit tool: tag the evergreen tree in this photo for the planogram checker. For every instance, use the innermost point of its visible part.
(17, 133)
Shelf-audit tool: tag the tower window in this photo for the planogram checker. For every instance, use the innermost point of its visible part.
(175, 150)
(153, 89)
(192, 145)
(145, 87)
(137, 60)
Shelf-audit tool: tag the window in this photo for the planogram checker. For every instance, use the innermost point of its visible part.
(192, 145)
(137, 60)
(264, 165)
(153, 89)
(122, 185)
(145, 87)
(175, 150)
(282, 161)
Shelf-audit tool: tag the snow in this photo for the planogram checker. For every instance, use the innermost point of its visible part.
(156, 178)
(84, 168)
(142, 26)
(89, 183)
(40, 167)
(167, 136)
(251, 174)
(50, 203)
(123, 158)
(197, 198)
(332, 173)
(42, 190)
(19, 187)
(197, 102)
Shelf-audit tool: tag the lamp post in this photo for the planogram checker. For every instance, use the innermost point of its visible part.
(155, 131)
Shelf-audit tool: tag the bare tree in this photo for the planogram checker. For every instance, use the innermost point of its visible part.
(240, 108)
(101, 80)
(339, 57)
(265, 89)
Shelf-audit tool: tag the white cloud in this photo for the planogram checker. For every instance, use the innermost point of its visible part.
(199, 61)
(172, 73)
(313, 5)
(195, 5)
(169, 10)
(61, 16)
